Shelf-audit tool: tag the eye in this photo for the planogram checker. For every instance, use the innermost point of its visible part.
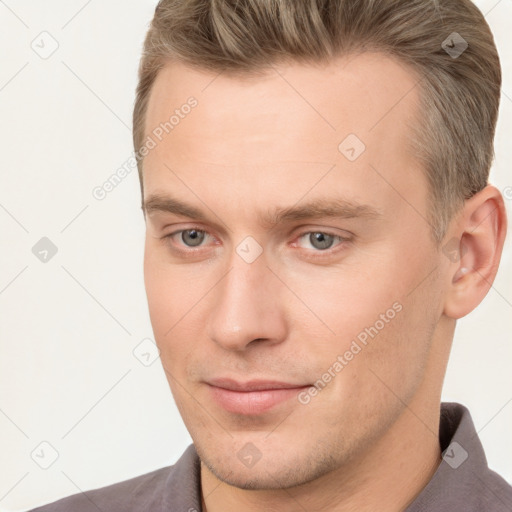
(320, 240)
(317, 242)
(191, 237)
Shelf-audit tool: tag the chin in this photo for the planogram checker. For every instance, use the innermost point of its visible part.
(273, 471)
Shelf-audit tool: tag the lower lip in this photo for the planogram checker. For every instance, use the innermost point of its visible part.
(252, 402)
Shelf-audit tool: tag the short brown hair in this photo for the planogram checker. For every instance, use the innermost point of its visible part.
(459, 95)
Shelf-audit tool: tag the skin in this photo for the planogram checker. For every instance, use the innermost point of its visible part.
(369, 439)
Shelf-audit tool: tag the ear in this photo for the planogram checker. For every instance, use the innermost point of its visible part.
(473, 246)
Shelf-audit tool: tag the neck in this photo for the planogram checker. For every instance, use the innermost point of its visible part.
(387, 477)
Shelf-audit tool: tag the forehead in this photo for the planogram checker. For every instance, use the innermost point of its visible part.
(282, 132)
(364, 94)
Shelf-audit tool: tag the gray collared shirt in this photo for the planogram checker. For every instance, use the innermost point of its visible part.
(462, 483)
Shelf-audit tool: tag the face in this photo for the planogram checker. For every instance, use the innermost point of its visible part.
(288, 263)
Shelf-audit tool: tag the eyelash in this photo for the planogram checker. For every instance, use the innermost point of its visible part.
(330, 251)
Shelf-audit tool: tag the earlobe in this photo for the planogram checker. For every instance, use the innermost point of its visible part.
(478, 236)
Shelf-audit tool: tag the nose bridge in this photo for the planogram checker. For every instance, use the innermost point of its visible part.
(247, 305)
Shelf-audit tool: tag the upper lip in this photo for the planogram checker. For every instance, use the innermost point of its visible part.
(252, 385)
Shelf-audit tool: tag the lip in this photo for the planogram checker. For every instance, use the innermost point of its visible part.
(252, 397)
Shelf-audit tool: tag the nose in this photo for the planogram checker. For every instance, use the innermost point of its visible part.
(248, 307)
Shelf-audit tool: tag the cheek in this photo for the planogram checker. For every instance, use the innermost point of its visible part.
(177, 298)
(164, 296)
(166, 286)
(392, 363)
(346, 302)
(383, 324)
(160, 300)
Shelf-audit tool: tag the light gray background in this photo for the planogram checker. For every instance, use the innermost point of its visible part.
(69, 326)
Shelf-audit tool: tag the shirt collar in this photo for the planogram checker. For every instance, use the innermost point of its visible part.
(463, 481)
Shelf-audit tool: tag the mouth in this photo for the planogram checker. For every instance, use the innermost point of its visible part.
(252, 397)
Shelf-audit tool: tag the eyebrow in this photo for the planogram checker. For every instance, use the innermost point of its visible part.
(316, 209)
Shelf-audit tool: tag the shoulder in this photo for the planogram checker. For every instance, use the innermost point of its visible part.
(127, 495)
(165, 489)
(492, 491)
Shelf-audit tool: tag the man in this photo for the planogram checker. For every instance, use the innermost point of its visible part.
(314, 181)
